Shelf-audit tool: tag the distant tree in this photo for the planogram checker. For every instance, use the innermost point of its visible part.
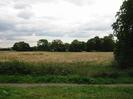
(34, 48)
(67, 46)
(83, 46)
(57, 45)
(76, 46)
(21, 46)
(123, 30)
(43, 45)
(5, 49)
(94, 44)
(108, 43)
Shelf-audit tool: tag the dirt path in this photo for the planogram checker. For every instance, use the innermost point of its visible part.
(61, 85)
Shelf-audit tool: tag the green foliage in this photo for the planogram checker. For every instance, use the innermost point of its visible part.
(85, 73)
(123, 29)
(57, 45)
(77, 46)
(108, 43)
(101, 44)
(17, 67)
(43, 45)
(21, 46)
(94, 44)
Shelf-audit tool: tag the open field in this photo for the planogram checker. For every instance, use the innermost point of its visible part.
(57, 57)
(67, 92)
(51, 67)
(85, 76)
(65, 67)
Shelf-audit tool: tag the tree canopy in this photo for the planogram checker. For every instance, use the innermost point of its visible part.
(123, 30)
(21, 46)
(95, 44)
(43, 45)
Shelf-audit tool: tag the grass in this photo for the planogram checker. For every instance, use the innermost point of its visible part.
(92, 68)
(81, 73)
(69, 68)
(67, 92)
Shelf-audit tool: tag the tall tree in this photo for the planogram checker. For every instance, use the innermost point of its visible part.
(123, 29)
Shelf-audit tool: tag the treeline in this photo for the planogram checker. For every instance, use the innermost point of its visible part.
(95, 44)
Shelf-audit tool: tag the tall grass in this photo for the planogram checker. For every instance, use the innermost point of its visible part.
(82, 72)
(78, 68)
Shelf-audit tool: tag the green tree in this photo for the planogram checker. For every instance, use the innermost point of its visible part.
(43, 45)
(21, 46)
(123, 30)
(67, 46)
(108, 43)
(76, 46)
(94, 44)
(57, 45)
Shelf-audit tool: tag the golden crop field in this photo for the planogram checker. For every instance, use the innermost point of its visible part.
(57, 57)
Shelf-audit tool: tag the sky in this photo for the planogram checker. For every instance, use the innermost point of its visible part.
(31, 20)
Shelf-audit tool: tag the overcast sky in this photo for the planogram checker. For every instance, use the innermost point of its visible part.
(31, 20)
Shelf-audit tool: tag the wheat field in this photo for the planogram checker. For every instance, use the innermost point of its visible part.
(57, 57)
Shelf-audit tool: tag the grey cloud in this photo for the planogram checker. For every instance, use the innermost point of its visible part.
(6, 25)
(25, 14)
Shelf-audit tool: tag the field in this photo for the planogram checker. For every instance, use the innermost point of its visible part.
(84, 74)
(57, 57)
(65, 67)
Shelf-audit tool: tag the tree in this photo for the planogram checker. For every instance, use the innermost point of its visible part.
(57, 45)
(43, 45)
(123, 30)
(67, 46)
(21, 46)
(94, 44)
(108, 43)
(76, 46)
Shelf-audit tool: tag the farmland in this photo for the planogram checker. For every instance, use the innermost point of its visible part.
(57, 57)
(64, 67)
(83, 74)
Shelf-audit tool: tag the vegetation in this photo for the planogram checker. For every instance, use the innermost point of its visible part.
(67, 92)
(21, 46)
(85, 68)
(85, 73)
(123, 28)
(43, 45)
(105, 44)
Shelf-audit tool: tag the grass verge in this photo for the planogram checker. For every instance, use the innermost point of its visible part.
(67, 92)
